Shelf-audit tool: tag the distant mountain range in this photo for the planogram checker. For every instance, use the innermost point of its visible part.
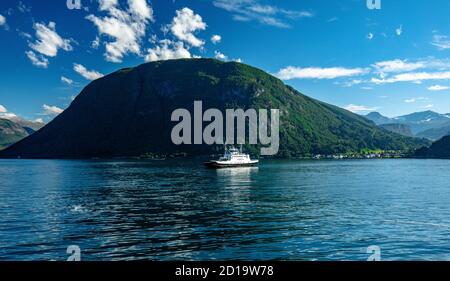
(13, 130)
(427, 124)
(127, 113)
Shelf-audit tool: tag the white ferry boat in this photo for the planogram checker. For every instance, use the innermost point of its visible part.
(232, 157)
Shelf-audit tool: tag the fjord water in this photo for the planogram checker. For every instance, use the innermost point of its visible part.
(178, 210)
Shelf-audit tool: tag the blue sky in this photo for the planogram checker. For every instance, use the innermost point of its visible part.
(394, 60)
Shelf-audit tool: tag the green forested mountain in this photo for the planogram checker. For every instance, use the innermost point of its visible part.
(401, 129)
(439, 149)
(127, 113)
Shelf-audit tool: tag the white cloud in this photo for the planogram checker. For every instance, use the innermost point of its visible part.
(429, 106)
(167, 50)
(405, 69)
(397, 65)
(96, 43)
(185, 24)
(442, 42)
(220, 56)
(87, 74)
(23, 8)
(291, 72)
(413, 100)
(370, 36)
(66, 80)
(141, 9)
(399, 30)
(38, 60)
(13, 117)
(252, 10)
(48, 41)
(359, 108)
(51, 110)
(39, 120)
(350, 83)
(333, 19)
(126, 28)
(438, 88)
(7, 115)
(215, 39)
(413, 77)
(2, 20)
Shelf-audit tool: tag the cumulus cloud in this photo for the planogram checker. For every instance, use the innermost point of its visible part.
(66, 80)
(291, 72)
(126, 28)
(2, 20)
(215, 39)
(96, 43)
(359, 108)
(51, 110)
(183, 28)
(253, 10)
(48, 42)
(7, 115)
(438, 88)
(167, 50)
(220, 56)
(87, 74)
(37, 60)
(185, 24)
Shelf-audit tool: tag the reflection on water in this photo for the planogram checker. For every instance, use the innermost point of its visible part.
(236, 177)
(165, 210)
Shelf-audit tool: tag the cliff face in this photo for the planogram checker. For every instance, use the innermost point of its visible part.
(127, 113)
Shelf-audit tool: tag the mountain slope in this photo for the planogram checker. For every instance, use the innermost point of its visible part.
(401, 129)
(436, 133)
(11, 132)
(439, 149)
(127, 113)
(378, 118)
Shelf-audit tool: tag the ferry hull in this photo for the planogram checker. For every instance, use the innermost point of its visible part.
(215, 165)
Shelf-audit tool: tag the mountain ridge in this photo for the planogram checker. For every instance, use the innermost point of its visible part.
(426, 124)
